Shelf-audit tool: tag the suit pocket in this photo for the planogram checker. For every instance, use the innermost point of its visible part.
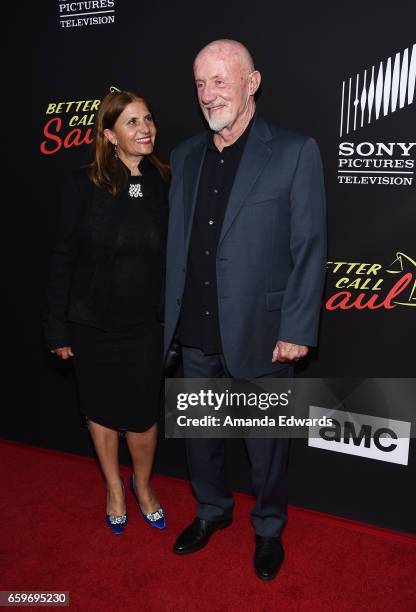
(263, 196)
(274, 300)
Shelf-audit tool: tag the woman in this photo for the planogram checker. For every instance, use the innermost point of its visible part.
(105, 295)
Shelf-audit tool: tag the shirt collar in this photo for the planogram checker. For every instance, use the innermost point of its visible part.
(141, 165)
(239, 143)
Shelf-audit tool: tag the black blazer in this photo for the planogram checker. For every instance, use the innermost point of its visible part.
(78, 288)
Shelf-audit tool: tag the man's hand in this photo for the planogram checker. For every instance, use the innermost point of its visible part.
(286, 352)
(64, 352)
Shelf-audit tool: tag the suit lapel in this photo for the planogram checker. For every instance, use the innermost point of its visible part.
(192, 173)
(106, 214)
(255, 156)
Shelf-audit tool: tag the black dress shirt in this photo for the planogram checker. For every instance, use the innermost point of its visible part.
(199, 324)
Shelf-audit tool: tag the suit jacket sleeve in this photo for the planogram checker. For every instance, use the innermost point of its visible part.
(302, 298)
(63, 260)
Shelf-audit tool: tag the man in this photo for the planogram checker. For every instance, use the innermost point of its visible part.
(245, 270)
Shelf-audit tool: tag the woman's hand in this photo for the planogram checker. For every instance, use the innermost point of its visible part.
(64, 352)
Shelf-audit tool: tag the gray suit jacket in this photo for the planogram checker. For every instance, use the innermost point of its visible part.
(272, 249)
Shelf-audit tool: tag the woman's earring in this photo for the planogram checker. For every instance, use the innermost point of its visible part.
(115, 151)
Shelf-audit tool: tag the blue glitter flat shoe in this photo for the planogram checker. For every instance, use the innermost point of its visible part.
(156, 518)
(117, 523)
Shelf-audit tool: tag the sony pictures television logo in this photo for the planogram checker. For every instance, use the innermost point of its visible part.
(367, 97)
(361, 435)
(86, 13)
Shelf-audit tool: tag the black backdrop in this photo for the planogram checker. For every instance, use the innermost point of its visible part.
(305, 52)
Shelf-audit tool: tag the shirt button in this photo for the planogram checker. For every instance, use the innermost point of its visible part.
(207, 313)
(206, 283)
(221, 161)
(211, 222)
(215, 190)
(206, 252)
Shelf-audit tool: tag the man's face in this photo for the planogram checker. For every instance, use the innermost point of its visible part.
(223, 88)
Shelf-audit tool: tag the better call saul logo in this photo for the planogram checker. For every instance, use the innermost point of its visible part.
(68, 124)
(362, 435)
(367, 97)
(371, 286)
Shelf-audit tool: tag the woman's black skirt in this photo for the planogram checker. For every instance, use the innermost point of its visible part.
(119, 374)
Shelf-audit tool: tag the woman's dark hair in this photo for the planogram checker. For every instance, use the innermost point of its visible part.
(106, 170)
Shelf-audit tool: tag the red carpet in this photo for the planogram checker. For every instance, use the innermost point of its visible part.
(54, 538)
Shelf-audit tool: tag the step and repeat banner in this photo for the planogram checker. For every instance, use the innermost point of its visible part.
(343, 74)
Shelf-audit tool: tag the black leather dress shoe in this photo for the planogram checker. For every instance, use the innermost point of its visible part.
(268, 557)
(197, 535)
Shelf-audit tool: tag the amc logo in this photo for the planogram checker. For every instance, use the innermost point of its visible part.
(362, 435)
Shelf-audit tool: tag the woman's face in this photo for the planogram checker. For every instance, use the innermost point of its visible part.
(134, 131)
